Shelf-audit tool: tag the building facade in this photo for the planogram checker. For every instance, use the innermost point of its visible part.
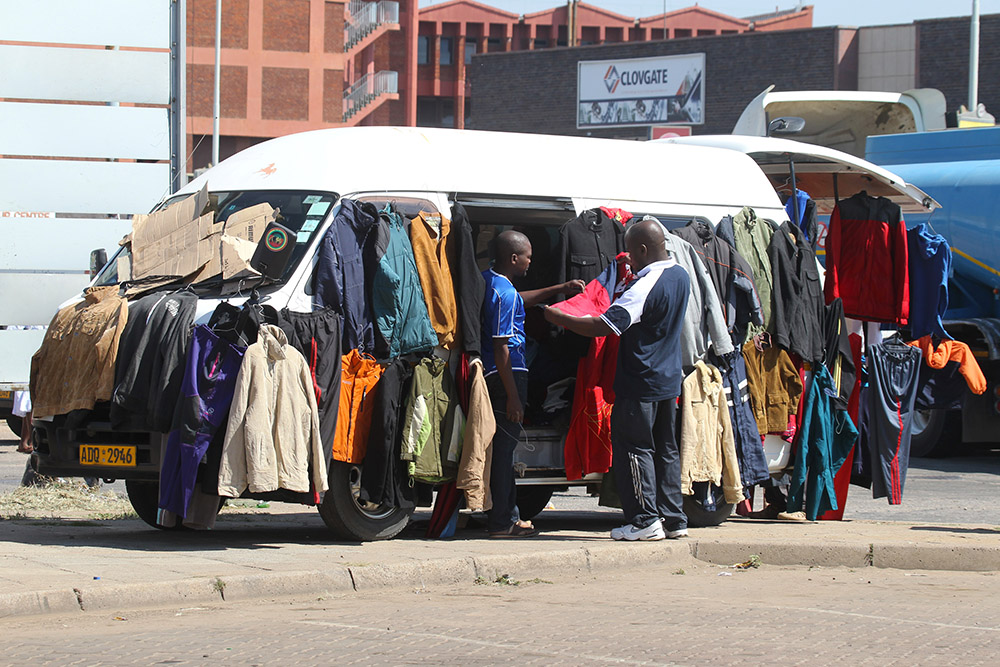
(451, 33)
(295, 65)
(536, 91)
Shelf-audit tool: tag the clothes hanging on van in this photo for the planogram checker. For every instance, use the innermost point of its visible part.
(798, 309)
(588, 244)
(938, 356)
(433, 424)
(272, 435)
(384, 477)
(151, 356)
(704, 322)
(838, 356)
(775, 387)
(75, 366)
(360, 374)
(401, 316)
(469, 283)
(731, 276)
(434, 250)
(874, 284)
(239, 325)
(345, 269)
(316, 336)
(930, 265)
(751, 236)
(707, 447)
(207, 389)
(807, 216)
(826, 435)
(749, 448)
(477, 442)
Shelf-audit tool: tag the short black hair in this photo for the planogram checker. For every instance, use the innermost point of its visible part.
(508, 243)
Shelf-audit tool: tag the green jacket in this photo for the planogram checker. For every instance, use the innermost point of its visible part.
(434, 424)
(753, 236)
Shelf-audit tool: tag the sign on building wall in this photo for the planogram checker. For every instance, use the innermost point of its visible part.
(641, 91)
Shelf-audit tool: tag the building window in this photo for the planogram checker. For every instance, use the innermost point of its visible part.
(423, 50)
(470, 50)
(435, 112)
(541, 43)
(682, 32)
(493, 45)
(447, 52)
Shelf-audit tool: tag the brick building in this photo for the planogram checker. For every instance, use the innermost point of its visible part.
(296, 65)
(536, 91)
(451, 33)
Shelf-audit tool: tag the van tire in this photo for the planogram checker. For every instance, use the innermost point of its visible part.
(934, 433)
(14, 424)
(145, 499)
(347, 518)
(531, 500)
(699, 517)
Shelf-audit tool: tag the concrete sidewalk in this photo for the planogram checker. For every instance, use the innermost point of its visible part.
(63, 565)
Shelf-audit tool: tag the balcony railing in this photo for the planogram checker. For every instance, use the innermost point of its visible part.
(367, 89)
(364, 17)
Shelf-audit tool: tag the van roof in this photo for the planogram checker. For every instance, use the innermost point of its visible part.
(366, 159)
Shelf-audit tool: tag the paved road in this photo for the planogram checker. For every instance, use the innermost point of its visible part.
(665, 615)
(955, 490)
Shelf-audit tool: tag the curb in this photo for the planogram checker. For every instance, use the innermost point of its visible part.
(450, 571)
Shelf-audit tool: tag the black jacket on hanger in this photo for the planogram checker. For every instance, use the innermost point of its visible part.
(838, 356)
(470, 287)
(798, 308)
(588, 244)
(384, 477)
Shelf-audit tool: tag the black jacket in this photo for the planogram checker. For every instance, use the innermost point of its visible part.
(384, 477)
(587, 245)
(839, 358)
(799, 310)
(150, 365)
(470, 287)
(731, 276)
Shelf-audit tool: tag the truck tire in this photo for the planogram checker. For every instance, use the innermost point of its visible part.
(14, 424)
(531, 500)
(354, 521)
(936, 433)
(699, 517)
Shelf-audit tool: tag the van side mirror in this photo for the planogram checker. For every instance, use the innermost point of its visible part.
(785, 125)
(98, 260)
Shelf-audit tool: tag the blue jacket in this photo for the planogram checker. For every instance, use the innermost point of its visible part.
(397, 299)
(341, 281)
(930, 263)
(825, 438)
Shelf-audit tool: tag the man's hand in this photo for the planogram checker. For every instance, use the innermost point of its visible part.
(574, 287)
(515, 411)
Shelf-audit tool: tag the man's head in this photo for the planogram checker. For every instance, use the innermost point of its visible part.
(511, 254)
(645, 243)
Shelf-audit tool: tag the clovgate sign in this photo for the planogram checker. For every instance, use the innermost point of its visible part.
(641, 91)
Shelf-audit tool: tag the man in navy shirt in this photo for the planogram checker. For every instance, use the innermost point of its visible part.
(648, 319)
(507, 372)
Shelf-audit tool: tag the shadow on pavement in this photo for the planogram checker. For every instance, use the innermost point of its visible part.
(958, 529)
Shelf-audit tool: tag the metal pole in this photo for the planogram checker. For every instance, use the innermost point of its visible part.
(218, 69)
(178, 95)
(974, 58)
(664, 19)
(795, 193)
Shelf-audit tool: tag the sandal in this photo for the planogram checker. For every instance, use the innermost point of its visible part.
(25, 449)
(516, 530)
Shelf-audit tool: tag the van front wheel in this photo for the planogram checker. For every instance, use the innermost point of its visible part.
(351, 519)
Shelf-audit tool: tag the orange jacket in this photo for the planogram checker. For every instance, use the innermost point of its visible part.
(359, 376)
(953, 350)
(433, 250)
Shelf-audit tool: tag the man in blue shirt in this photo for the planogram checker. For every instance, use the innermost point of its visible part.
(648, 319)
(507, 372)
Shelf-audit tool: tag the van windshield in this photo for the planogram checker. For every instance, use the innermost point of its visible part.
(301, 211)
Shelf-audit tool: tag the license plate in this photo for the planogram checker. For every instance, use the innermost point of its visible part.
(6, 395)
(107, 455)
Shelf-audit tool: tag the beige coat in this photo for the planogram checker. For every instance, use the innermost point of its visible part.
(708, 450)
(477, 445)
(272, 438)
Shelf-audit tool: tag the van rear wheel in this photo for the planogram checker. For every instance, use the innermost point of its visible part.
(351, 519)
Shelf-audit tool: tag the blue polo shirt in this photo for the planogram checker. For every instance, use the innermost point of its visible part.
(503, 317)
(648, 318)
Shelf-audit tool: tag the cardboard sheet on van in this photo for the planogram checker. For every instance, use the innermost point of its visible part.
(173, 242)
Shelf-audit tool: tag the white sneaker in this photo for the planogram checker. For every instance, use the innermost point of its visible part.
(629, 532)
(674, 534)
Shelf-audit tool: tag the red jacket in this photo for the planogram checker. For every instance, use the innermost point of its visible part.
(866, 260)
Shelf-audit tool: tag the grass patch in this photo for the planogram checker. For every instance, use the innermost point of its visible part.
(64, 500)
